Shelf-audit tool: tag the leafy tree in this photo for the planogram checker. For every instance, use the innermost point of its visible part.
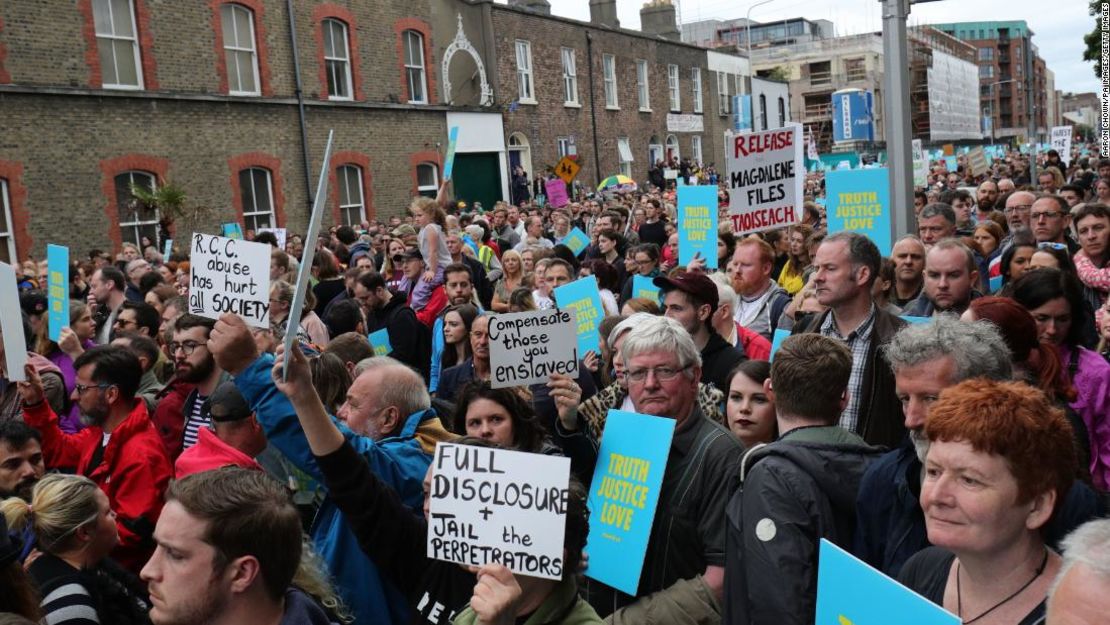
(1093, 39)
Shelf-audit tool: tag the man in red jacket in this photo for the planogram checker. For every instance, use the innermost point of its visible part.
(120, 450)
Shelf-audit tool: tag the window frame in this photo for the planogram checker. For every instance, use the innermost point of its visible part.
(643, 86)
(342, 178)
(113, 37)
(695, 78)
(724, 104)
(695, 149)
(674, 86)
(125, 212)
(525, 73)
(429, 190)
(411, 69)
(762, 111)
(329, 61)
(570, 77)
(7, 236)
(562, 146)
(782, 112)
(609, 78)
(232, 7)
(253, 214)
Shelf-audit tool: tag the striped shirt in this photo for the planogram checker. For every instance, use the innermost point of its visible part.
(195, 421)
(66, 600)
(859, 341)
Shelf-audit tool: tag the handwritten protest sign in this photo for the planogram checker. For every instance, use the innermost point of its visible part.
(496, 505)
(583, 299)
(556, 193)
(624, 494)
(279, 234)
(851, 592)
(1061, 141)
(765, 176)
(449, 160)
(920, 164)
(379, 340)
(697, 224)
(526, 348)
(11, 324)
(57, 291)
(859, 201)
(230, 275)
(576, 240)
(643, 286)
(977, 161)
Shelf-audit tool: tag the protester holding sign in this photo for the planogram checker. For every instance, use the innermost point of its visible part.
(395, 538)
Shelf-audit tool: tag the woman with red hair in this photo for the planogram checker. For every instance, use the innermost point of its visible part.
(999, 465)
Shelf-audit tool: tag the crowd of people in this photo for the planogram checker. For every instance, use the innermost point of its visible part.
(942, 412)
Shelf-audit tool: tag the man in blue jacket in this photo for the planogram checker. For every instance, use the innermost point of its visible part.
(387, 419)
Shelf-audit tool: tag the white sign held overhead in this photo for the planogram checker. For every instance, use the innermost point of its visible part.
(765, 175)
(11, 324)
(304, 273)
(1061, 142)
(491, 505)
(230, 276)
(526, 348)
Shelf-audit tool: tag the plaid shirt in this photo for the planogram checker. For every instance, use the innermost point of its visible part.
(859, 341)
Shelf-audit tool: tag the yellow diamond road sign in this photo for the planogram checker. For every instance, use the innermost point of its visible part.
(567, 169)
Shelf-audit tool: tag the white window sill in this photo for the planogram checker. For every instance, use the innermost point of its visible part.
(244, 94)
(530, 101)
(419, 102)
(612, 108)
(123, 87)
(333, 98)
(572, 105)
(645, 110)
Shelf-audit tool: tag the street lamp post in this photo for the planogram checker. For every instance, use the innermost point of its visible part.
(748, 26)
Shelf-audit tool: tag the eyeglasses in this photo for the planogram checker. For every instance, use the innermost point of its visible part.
(81, 388)
(123, 323)
(187, 348)
(1046, 215)
(1021, 208)
(1049, 245)
(662, 374)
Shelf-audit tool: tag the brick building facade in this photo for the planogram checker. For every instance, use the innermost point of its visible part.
(98, 94)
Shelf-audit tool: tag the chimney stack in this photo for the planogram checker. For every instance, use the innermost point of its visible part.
(657, 17)
(542, 7)
(604, 13)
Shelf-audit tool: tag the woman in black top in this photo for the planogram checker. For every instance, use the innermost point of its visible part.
(75, 530)
(1000, 459)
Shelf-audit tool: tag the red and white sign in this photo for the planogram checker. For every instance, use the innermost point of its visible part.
(765, 176)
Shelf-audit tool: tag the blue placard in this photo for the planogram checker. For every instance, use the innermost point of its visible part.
(697, 224)
(624, 494)
(776, 342)
(576, 240)
(853, 118)
(379, 340)
(913, 319)
(851, 593)
(583, 298)
(950, 164)
(57, 289)
(233, 231)
(643, 286)
(859, 201)
(449, 161)
(994, 284)
(166, 250)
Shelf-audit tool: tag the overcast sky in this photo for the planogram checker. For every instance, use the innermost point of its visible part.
(1058, 25)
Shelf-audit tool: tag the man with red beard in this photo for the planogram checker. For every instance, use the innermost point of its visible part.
(193, 364)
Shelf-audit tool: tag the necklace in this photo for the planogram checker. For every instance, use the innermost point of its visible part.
(959, 597)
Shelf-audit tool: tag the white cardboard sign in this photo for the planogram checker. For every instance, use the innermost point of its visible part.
(490, 505)
(526, 348)
(230, 275)
(765, 175)
(1061, 141)
(11, 323)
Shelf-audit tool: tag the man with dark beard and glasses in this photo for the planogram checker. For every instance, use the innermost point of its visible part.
(193, 364)
(120, 450)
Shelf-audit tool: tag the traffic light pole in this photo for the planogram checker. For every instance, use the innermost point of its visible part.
(896, 115)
